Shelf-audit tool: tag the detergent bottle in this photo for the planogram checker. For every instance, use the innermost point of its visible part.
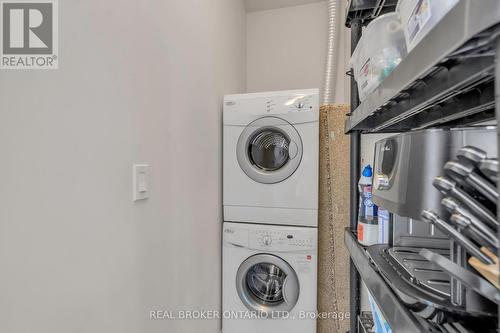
(367, 217)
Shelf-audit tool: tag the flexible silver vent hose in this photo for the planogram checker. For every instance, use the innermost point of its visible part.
(332, 52)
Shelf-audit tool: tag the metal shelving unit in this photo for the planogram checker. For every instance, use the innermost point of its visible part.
(452, 77)
(455, 59)
(367, 10)
(398, 316)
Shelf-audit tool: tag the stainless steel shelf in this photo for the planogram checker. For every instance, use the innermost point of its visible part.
(399, 317)
(454, 59)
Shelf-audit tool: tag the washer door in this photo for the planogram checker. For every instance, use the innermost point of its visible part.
(269, 150)
(267, 283)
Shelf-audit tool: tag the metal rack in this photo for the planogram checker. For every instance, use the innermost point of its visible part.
(452, 77)
(438, 76)
(397, 314)
(367, 10)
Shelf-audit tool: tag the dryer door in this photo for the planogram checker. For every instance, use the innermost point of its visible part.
(269, 150)
(267, 284)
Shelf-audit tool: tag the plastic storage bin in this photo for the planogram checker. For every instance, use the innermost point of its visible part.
(418, 17)
(380, 49)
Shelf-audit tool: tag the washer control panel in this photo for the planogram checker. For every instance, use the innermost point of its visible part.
(279, 240)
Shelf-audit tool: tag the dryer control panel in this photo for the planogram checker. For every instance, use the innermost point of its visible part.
(286, 104)
(299, 103)
(298, 106)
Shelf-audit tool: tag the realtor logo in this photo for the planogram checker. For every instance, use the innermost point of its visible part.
(29, 34)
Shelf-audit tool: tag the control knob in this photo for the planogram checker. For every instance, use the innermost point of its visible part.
(267, 240)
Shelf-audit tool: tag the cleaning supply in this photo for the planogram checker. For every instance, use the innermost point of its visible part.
(368, 210)
(368, 232)
(367, 217)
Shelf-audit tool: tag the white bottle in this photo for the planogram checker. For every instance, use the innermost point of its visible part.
(367, 217)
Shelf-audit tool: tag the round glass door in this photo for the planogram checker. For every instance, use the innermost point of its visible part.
(269, 150)
(267, 283)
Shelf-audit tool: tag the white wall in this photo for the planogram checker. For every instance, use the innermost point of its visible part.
(256, 5)
(139, 81)
(286, 49)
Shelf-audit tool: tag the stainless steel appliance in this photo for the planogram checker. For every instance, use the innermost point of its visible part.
(409, 232)
(406, 164)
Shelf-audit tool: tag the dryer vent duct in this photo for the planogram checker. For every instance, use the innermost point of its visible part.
(332, 52)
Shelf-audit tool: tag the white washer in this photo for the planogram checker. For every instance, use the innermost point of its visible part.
(270, 271)
(271, 143)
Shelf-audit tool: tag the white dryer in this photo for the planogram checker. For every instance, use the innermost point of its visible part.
(269, 278)
(271, 143)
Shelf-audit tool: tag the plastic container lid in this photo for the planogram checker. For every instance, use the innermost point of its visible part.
(379, 51)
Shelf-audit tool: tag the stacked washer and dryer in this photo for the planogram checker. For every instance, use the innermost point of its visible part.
(271, 147)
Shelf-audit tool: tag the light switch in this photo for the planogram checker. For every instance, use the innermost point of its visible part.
(141, 181)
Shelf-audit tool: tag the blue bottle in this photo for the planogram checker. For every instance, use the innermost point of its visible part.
(367, 209)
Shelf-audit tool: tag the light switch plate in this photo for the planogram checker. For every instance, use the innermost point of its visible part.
(141, 181)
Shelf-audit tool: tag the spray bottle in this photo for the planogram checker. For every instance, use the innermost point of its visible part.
(367, 217)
